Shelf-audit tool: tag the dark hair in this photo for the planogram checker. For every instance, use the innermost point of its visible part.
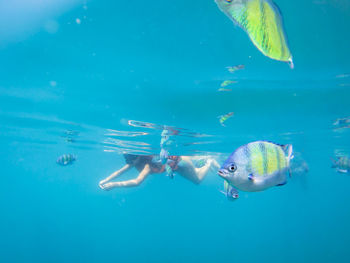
(130, 158)
(139, 161)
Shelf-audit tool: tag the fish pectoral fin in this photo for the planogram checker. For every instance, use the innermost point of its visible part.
(282, 184)
(251, 177)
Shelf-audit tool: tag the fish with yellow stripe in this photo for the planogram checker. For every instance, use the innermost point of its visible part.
(230, 192)
(257, 166)
(342, 164)
(262, 20)
(66, 159)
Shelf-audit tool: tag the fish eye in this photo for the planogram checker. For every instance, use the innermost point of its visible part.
(232, 168)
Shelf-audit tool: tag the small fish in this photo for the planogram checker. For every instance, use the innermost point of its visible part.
(69, 139)
(225, 83)
(223, 89)
(342, 164)
(223, 118)
(257, 166)
(342, 76)
(342, 121)
(71, 133)
(230, 192)
(235, 68)
(66, 159)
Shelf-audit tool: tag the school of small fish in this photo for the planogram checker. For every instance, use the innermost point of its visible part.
(224, 84)
(69, 136)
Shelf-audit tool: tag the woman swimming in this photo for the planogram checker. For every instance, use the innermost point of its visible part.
(147, 164)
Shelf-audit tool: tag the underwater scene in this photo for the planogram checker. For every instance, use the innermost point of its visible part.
(183, 131)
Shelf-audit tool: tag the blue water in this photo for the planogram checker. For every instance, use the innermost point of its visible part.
(90, 66)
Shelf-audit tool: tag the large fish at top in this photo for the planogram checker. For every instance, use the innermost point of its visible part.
(262, 20)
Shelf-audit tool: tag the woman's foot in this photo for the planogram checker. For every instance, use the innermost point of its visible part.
(214, 165)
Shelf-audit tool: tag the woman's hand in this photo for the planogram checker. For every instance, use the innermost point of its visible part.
(106, 186)
(102, 182)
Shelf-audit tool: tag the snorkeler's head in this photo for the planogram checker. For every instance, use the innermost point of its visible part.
(130, 158)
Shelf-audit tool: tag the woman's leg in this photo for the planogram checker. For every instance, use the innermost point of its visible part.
(115, 174)
(190, 172)
(129, 183)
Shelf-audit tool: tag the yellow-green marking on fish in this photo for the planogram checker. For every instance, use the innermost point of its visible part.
(225, 83)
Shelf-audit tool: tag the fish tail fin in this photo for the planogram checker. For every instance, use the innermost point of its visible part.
(224, 193)
(334, 163)
(288, 149)
(291, 63)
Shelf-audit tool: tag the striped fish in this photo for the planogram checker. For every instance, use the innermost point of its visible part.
(230, 192)
(262, 21)
(235, 68)
(66, 159)
(257, 166)
(342, 164)
(223, 118)
(225, 83)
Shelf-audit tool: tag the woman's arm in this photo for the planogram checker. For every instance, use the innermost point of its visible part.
(129, 183)
(115, 174)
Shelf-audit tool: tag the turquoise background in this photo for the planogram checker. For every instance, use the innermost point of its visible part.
(162, 62)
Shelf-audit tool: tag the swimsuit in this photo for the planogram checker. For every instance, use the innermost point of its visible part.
(173, 162)
(155, 165)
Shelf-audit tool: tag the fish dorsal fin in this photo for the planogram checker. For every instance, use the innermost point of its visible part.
(237, 12)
